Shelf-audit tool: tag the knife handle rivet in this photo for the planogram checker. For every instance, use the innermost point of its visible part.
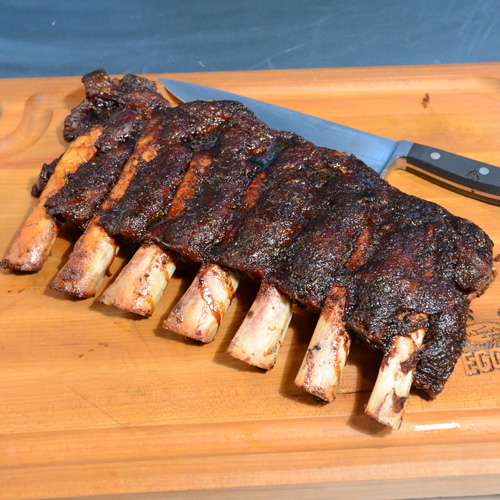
(435, 155)
(484, 170)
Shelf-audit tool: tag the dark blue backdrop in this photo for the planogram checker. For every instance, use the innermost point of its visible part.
(55, 37)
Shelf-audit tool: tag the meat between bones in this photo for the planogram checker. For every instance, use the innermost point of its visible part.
(209, 183)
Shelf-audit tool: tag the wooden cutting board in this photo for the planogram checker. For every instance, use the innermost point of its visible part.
(94, 401)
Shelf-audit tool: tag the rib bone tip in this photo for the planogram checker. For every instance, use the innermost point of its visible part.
(328, 349)
(201, 309)
(260, 336)
(392, 387)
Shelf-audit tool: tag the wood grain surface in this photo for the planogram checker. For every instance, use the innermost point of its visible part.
(94, 401)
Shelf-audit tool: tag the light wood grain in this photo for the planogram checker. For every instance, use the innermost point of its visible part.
(94, 401)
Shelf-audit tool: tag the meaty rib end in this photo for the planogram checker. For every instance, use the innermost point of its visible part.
(31, 248)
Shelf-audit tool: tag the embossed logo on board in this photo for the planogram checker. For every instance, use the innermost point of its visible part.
(482, 350)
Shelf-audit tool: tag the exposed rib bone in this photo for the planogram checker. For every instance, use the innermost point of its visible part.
(329, 347)
(31, 247)
(95, 249)
(327, 353)
(200, 311)
(140, 284)
(261, 334)
(91, 257)
(391, 390)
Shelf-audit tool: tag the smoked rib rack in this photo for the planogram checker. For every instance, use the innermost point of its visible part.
(462, 207)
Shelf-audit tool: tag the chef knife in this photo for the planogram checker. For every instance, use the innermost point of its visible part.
(464, 175)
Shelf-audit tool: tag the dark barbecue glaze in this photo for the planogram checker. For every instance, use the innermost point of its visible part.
(104, 95)
(121, 107)
(190, 135)
(395, 255)
(215, 183)
(150, 190)
(85, 189)
(44, 176)
(279, 203)
(225, 188)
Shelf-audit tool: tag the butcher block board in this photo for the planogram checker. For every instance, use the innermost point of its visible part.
(96, 402)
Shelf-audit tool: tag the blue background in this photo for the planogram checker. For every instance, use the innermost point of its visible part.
(56, 38)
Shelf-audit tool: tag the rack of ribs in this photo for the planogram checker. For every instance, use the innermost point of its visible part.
(208, 183)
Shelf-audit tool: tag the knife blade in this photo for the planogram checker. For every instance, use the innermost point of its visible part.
(458, 173)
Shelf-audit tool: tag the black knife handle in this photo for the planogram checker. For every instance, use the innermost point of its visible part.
(469, 177)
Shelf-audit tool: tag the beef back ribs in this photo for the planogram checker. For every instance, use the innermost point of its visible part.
(210, 183)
